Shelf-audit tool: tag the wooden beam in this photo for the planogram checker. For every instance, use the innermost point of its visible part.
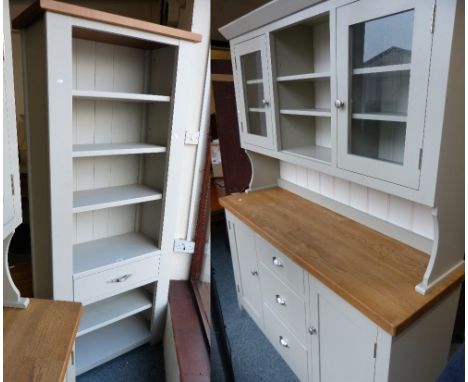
(40, 6)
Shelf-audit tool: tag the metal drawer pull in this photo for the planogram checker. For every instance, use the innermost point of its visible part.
(277, 262)
(254, 273)
(280, 300)
(312, 331)
(283, 342)
(120, 279)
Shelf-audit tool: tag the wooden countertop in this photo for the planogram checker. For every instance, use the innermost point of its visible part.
(374, 273)
(38, 340)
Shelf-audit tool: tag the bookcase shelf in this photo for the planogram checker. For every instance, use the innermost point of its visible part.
(100, 346)
(112, 250)
(394, 117)
(254, 81)
(305, 77)
(91, 200)
(109, 149)
(307, 112)
(119, 96)
(382, 69)
(113, 309)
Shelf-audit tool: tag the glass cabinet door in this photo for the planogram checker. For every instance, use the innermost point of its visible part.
(383, 67)
(253, 95)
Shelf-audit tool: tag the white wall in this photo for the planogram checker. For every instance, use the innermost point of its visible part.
(393, 209)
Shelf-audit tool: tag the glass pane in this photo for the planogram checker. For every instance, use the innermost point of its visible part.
(256, 123)
(381, 140)
(254, 93)
(383, 41)
(380, 76)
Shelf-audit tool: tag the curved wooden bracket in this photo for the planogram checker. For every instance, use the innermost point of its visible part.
(265, 171)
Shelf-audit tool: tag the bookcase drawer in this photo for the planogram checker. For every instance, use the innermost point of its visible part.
(288, 272)
(104, 284)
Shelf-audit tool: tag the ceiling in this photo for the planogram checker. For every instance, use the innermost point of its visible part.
(225, 11)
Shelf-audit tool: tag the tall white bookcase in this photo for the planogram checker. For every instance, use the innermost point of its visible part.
(104, 147)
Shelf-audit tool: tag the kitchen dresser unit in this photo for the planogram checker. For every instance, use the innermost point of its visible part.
(104, 96)
(364, 91)
(368, 94)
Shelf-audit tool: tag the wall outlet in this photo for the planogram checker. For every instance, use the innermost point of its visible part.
(184, 246)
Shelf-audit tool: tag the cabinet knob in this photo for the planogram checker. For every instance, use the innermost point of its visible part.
(277, 262)
(265, 102)
(339, 104)
(312, 331)
(283, 342)
(254, 273)
(280, 300)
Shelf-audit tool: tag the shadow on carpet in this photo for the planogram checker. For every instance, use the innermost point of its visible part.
(144, 364)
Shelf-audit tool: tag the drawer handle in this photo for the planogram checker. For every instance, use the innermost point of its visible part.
(280, 300)
(283, 342)
(277, 262)
(120, 279)
(254, 273)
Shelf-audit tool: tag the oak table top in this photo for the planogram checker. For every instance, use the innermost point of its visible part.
(374, 273)
(38, 340)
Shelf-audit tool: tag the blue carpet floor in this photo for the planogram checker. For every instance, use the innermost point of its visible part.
(144, 364)
(254, 358)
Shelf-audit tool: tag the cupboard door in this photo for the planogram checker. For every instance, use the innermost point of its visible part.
(343, 340)
(253, 95)
(383, 56)
(249, 282)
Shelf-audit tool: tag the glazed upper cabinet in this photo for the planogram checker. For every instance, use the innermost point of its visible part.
(344, 88)
(254, 96)
(383, 55)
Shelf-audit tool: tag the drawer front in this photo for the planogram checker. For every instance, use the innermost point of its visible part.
(286, 304)
(290, 273)
(286, 344)
(104, 284)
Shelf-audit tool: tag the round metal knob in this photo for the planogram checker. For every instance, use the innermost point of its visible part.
(280, 300)
(277, 262)
(339, 104)
(254, 273)
(283, 342)
(265, 102)
(312, 331)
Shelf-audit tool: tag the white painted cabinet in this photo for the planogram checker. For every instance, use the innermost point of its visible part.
(322, 337)
(105, 135)
(350, 83)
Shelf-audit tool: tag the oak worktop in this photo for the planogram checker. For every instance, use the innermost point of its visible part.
(374, 273)
(38, 340)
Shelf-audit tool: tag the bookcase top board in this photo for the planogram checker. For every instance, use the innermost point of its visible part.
(30, 14)
(374, 273)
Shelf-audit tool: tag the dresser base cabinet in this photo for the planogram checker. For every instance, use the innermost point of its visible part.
(327, 339)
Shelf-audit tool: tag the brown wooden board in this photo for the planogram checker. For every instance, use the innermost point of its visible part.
(38, 340)
(374, 273)
(192, 353)
(36, 10)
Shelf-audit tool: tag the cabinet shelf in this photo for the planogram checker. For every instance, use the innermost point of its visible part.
(256, 110)
(393, 117)
(118, 96)
(383, 69)
(304, 77)
(320, 153)
(108, 149)
(99, 255)
(91, 200)
(111, 310)
(254, 81)
(307, 112)
(111, 341)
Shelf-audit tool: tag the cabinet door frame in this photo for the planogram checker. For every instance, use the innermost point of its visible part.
(256, 44)
(407, 174)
